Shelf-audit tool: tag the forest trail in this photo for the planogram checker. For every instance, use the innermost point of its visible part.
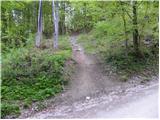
(91, 94)
(79, 59)
(89, 77)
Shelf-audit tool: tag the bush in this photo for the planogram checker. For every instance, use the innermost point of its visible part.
(9, 109)
(112, 49)
(110, 29)
(132, 64)
(24, 74)
(30, 75)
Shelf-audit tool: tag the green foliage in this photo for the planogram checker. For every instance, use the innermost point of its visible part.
(108, 36)
(84, 15)
(63, 45)
(9, 109)
(32, 71)
(31, 74)
(88, 42)
(107, 40)
(131, 64)
(16, 24)
(110, 29)
(114, 54)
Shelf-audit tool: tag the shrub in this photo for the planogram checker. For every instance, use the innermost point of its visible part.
(9, 109)
(30, 75)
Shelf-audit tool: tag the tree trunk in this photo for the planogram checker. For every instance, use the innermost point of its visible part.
(125, 29)
(135, 29)
(126, 37)
(63, 18)
(85, 17)
(55, 21)
(39, 29)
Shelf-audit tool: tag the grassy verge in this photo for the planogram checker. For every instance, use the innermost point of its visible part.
(30, 74)
(113, 54)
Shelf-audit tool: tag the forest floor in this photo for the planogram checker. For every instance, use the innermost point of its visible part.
(91, 93)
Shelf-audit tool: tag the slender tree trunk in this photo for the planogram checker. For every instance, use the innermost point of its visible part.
(85, 18)
(62, 23)
(126, 38)
(55, 18)
(39, 27)
(29, 20)
(135, 29)
(125, 29)
(143, 24)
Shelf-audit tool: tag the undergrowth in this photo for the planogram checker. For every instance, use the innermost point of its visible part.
(131, 64)
(32, 74)
(113, 52)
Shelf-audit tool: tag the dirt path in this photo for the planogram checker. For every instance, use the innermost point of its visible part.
(89, 77)
(91, 94)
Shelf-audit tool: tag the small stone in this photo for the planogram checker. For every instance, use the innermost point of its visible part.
(79, 49)
(87, 98)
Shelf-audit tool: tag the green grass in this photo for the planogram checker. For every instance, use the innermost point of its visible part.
(132, 64)
(88, 42)
(32, 74)
(113, 53)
